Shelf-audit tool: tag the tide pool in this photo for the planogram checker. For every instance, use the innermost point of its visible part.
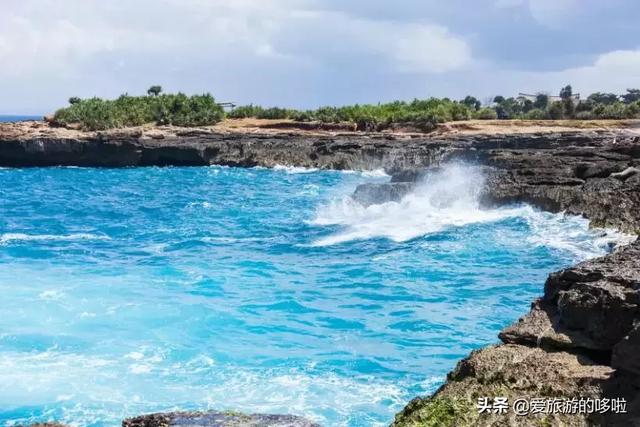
(151, 289)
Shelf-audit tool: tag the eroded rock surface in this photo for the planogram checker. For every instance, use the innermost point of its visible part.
(591, 307)
(216, 419)
(51, 424)
(521, 372)
(373, 194)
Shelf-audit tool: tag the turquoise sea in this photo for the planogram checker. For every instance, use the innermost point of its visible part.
(126, 291)
(17, 118)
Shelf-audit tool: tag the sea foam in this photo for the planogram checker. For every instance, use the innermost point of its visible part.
(450, 197)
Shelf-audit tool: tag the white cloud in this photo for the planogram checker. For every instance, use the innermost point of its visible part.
(91, 47)
(550, 13)
(75, 31)
(610, 72)
(301, 53)
(615, 71)
(420, 48)
(553, 13)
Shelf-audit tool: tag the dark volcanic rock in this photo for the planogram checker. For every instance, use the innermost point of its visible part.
(592, 306)
(606, 192)
(408, 175)
(626, 352)
(371, 194)
(50, 424)
(216, 419)
(520, 372)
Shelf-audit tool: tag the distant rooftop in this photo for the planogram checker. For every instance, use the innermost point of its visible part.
(552, 98)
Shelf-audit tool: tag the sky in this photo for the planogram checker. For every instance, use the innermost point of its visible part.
(309, 53)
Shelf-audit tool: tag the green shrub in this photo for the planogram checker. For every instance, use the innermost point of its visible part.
(244, 111)
(602, 98)
(460, 112)
(510, 108)
(535, 114)
(178, 110)
(555, 111)
(542, 101)
(632, 95)
(486, 114)
(273, 113)
(471, 102)
(585, 115)
(568, 108)
(302, 116)
(632, 111)
(424, 113)
(613, 111)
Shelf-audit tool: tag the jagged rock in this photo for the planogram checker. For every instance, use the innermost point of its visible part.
(216, 419)
(408, 175)
(372, 194)
(595, 170)
(519, 372)
(627, 173)
(627, 351)
(50, 424)
(591, 306)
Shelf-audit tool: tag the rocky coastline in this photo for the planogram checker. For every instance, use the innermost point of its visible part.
(581, 338)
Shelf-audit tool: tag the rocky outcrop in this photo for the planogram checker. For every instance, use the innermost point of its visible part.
(581, 340)
(592, 308)
(45, 425)
(517, 374)
(372, 194)
(598, 181)
(207, 419)
(216, 419)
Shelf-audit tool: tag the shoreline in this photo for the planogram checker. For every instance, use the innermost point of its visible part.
(581, 339)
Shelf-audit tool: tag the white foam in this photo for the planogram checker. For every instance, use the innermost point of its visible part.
(294, 169)
(78, 382)
(374, 173)
(446, 198)
(571, 234)
(450, 198)
(18, 237)
(51, 295)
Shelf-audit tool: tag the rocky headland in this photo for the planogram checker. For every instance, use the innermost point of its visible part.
(581, 338)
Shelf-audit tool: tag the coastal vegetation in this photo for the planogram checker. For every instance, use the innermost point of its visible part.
(424, 114)
(125, 111)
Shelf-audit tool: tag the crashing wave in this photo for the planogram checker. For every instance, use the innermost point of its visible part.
(451, 197)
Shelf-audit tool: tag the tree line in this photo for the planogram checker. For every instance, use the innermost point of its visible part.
(203, 110)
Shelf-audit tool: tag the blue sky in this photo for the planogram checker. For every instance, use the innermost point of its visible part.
(307, 53)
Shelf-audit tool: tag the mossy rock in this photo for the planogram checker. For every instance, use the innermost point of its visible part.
(437, 412)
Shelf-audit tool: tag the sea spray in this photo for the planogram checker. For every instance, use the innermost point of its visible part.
(446, 197)
(450, 197)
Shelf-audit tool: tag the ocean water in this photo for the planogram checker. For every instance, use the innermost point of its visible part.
(17, 118)
(151, 289)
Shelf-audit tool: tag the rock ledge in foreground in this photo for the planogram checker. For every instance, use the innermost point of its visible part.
(216, 419)
(520, 372)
